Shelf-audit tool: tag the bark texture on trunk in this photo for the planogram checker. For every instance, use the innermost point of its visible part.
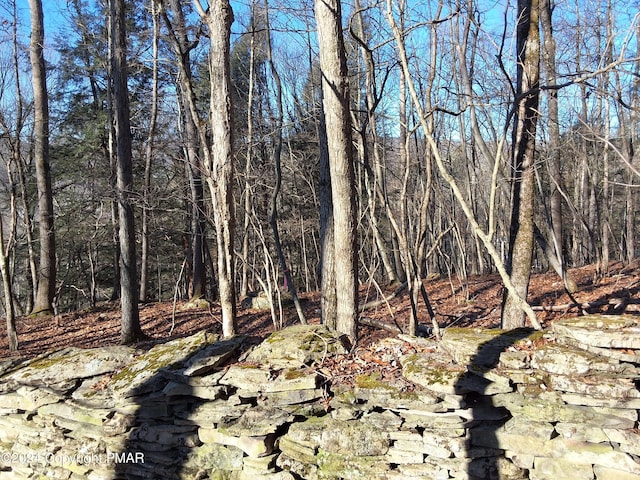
(335, 87)
(523, 161)
(218, 167)
(130, 328)
(43, 303)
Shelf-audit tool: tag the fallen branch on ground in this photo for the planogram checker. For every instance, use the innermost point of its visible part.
(618, 304)
(376, 303)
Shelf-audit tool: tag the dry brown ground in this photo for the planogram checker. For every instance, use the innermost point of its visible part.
(475, 303)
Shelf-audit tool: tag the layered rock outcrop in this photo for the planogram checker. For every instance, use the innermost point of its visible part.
(479, 404)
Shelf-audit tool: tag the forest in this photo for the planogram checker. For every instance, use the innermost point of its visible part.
(219, 150)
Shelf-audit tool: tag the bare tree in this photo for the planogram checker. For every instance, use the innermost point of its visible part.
(485, 236)
(7, 248)
(523, 160)
(218, 166)
(9, 310)
(327, 264)
(554, 216)
(335, 89)
(130, 328)
(195, 142)
(43, 303)
(412, 258)
(369, 144)
(277, 161)
(148, 157)
(247, 193)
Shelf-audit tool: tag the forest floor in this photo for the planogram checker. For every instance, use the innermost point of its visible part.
(475, 303)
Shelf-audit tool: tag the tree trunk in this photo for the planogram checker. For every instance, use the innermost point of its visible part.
(43, 303)
(6, 252)
(335, 87)
(218, 168)
(16, 154)
(194, 143)
(144, 256)
(247, 194)
(555, 198)
(130, 328)
(375, 180)
(277, 161)
(523, 167)
(327, 252)
(485, 236)
(8, 293)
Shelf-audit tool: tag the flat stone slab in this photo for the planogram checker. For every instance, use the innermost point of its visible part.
(437, 377)
(212, 357)
(563, 360)
(482, 346)
(606, 331)
(297, 346)
(254, 379)
(137, 377)
(68, 365)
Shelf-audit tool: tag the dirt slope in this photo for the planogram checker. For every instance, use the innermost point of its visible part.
(475, 303)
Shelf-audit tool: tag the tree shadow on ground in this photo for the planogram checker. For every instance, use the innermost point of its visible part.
(483, 448)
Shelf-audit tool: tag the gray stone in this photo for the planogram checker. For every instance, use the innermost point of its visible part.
(173, 389)
(219, 411)
(354, 437)
(259, 421)
(560, 469)
(306, 470)
(605, 331)
(587, 400)
(424, 470)
(291, 397)
(94, 392)
(186, 411)
(602, 385)
(75, 412)
(352, 467)
(604, 473)
(540, 410)
(482, 347)
(399, 456)
(437, 377)
(212, 357)
(605, 455)
(297, 346)
(563, 360)
(135, 378)
(260, 465)
(259, 379)
(300, 451)
(629, 440)
(66, 365)
(28, 399)
(213, 457)
(581, 432)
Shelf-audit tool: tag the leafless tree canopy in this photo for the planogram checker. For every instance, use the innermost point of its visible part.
(209, 150)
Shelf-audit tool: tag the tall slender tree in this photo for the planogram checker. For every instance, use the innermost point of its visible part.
(218, 162)
(195, 142)
(43, 303)
(148, 155)
(335, 90)
(130, 329)
(7, 288)
(277, 161)
(555, 173)
(523, 160)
